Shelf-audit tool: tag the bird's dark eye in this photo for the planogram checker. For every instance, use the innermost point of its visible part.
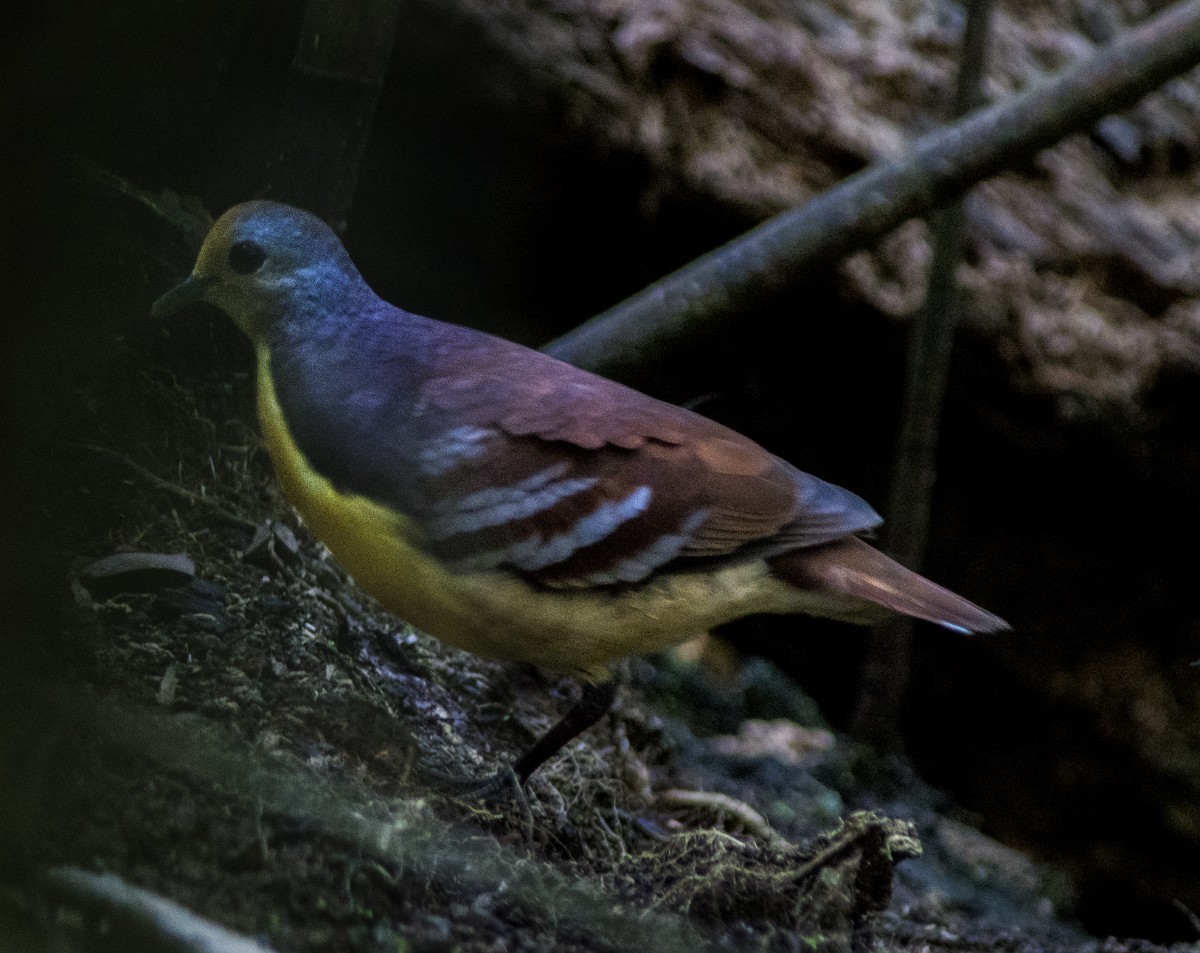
(246, 257)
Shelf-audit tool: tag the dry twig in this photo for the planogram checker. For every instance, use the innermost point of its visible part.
(145, 920)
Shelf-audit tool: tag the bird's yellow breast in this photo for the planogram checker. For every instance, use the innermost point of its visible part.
(497, 614)
(375, 544)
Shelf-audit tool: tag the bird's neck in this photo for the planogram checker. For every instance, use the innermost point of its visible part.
(344, 386)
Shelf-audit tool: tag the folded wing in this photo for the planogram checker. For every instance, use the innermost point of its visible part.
(574, 480)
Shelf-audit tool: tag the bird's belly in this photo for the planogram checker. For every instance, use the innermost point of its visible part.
(500, 615)
(497, 614)
(582, 632)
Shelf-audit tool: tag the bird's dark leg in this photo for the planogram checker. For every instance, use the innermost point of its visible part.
(593, 703)
(508, 782)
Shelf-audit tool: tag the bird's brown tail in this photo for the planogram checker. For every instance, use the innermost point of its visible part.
(850, 567)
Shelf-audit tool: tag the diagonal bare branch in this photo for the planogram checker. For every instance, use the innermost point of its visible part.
(779, 254)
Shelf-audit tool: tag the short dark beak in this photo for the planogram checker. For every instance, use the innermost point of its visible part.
(188, 291)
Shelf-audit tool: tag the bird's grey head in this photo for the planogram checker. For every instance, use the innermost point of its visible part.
(263, 262)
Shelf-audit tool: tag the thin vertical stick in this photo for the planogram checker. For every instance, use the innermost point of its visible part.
(885, 675)
(340, 67)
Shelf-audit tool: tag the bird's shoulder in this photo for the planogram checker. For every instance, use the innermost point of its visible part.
(523, 392)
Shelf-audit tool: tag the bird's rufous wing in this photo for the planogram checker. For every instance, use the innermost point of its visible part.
(574, 480)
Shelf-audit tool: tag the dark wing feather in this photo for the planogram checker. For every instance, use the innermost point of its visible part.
(573, 480)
